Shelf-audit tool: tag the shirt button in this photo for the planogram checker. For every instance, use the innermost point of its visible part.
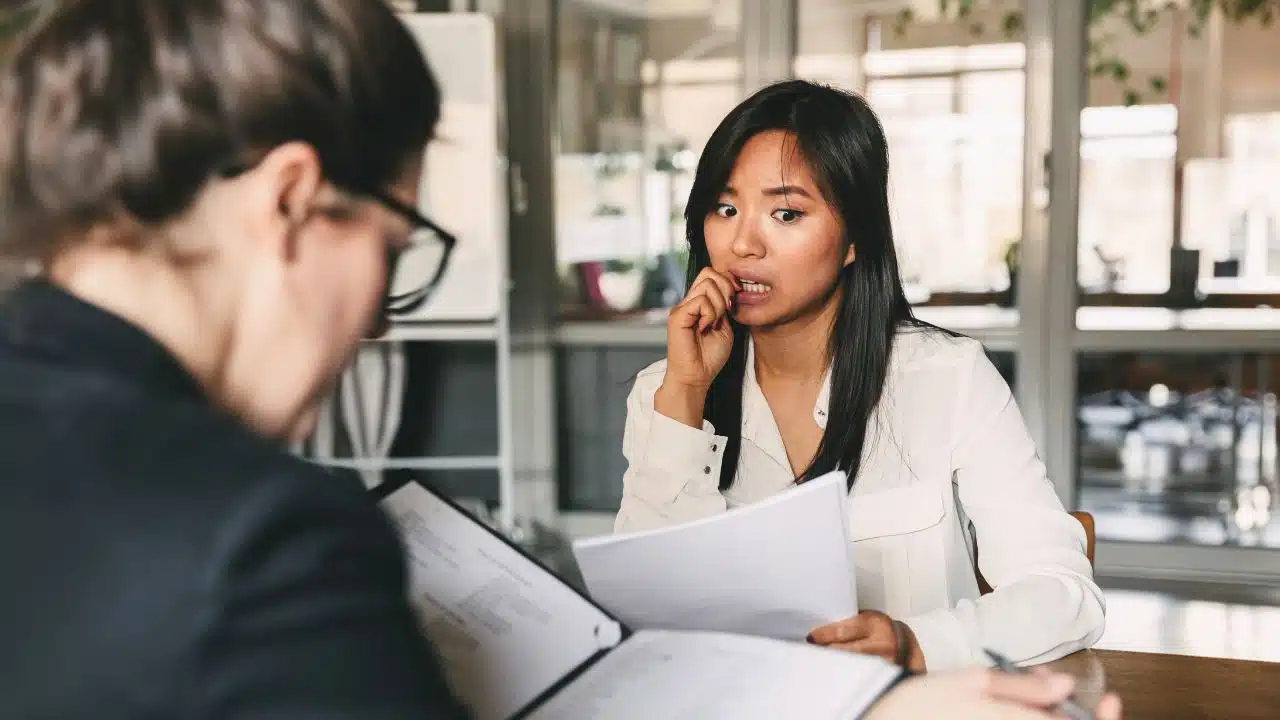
(706, 470)
(715, 448)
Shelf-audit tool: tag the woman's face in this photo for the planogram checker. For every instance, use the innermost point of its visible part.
(774, 232)
(313, 289)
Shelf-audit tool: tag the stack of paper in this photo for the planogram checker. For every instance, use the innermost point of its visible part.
(778, 568)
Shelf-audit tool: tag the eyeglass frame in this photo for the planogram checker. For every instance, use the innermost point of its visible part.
(405, 303)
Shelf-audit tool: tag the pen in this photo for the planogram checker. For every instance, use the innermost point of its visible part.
(1069, 707)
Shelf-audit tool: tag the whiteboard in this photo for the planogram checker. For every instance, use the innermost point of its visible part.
(462, 187)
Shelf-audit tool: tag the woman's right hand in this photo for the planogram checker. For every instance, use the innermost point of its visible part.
(699, 340)
(980, 693)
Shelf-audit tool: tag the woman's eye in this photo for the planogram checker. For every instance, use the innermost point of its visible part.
(726, 210)
(787, 216)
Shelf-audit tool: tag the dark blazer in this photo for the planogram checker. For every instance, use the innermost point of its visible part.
(158, 560)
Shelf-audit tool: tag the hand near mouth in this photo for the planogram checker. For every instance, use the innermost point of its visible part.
(699, 340)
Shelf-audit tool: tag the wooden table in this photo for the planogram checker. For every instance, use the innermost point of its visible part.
(1170, 687)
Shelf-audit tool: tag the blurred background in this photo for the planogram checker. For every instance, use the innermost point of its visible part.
(1092, 189)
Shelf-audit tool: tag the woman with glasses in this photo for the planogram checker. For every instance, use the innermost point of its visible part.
(213, 194)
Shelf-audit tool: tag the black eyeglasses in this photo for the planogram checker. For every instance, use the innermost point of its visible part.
(415, 268)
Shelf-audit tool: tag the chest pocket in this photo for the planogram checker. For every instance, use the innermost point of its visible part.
(897, 545)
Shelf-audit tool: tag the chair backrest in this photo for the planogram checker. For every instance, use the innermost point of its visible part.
(1084, 518)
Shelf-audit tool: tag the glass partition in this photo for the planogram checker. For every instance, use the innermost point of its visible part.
(1179, 447)
(640, 89)
(1178, 267)
(1180, 165)
(950, 93)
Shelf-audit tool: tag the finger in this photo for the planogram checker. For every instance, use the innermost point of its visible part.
(704, 278)
(840, 632)
(715, 289)
(727, 284)
(1109, 707)
(707, 313)
(879, 648)
(691, 313)
(1038, 690)
(712, 291)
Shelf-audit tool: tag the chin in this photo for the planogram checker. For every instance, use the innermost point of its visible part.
(752, 317)
(304, 423)
(302, 429)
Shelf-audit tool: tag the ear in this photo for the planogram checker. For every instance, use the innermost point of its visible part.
(850, 255)
(286, 189)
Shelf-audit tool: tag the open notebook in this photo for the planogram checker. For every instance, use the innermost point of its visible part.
(517, 641)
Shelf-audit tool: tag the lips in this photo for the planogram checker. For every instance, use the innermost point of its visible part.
(754, 290)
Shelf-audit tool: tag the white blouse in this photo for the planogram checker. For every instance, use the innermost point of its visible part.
(948, 461)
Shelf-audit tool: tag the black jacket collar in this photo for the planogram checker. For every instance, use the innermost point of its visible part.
(40, 320)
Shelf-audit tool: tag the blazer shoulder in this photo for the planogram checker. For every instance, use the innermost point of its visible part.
(239, 489)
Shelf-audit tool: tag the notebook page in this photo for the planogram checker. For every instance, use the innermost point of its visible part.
(506, 629)
(693, 676)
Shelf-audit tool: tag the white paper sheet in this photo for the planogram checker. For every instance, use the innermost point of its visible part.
(506, 628)
(693, 676)
(778, 568)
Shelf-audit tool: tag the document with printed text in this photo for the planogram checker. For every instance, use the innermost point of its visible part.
(778, 568)
(518, 642)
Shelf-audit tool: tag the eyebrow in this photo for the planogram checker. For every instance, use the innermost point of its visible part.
(779, 191)
(783, 190)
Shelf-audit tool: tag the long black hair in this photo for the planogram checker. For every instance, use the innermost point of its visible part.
(841, 139)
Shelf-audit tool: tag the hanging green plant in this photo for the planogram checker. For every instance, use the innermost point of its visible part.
(1140, 16)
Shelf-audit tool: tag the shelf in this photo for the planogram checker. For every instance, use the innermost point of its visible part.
(1151, 319)
(1164, 329)
(996, 328)
(482, 462)
(1178, 341)
(441, 332)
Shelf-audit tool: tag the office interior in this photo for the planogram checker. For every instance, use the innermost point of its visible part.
(1095, 198)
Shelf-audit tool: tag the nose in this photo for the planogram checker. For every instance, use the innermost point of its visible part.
(747, 240)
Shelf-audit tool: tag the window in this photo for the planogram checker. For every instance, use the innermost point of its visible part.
(1179, 447)
(951, 101)
(640, 92)
(1180, 166)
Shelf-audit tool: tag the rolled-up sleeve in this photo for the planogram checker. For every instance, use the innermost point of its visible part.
(1045, 603)
(673, 470)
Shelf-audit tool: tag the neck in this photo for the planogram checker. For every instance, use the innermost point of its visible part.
(799, 349)
(155, 297)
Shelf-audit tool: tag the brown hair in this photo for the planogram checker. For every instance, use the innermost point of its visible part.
(124, 109)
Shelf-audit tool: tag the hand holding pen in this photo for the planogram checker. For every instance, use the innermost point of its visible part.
(1108, 708)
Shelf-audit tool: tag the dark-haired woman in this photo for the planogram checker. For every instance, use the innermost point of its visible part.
(795, 353)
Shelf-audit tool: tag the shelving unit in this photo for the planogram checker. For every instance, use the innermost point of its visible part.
(461, 48)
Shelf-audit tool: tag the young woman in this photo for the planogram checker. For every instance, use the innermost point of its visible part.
(795, 353)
